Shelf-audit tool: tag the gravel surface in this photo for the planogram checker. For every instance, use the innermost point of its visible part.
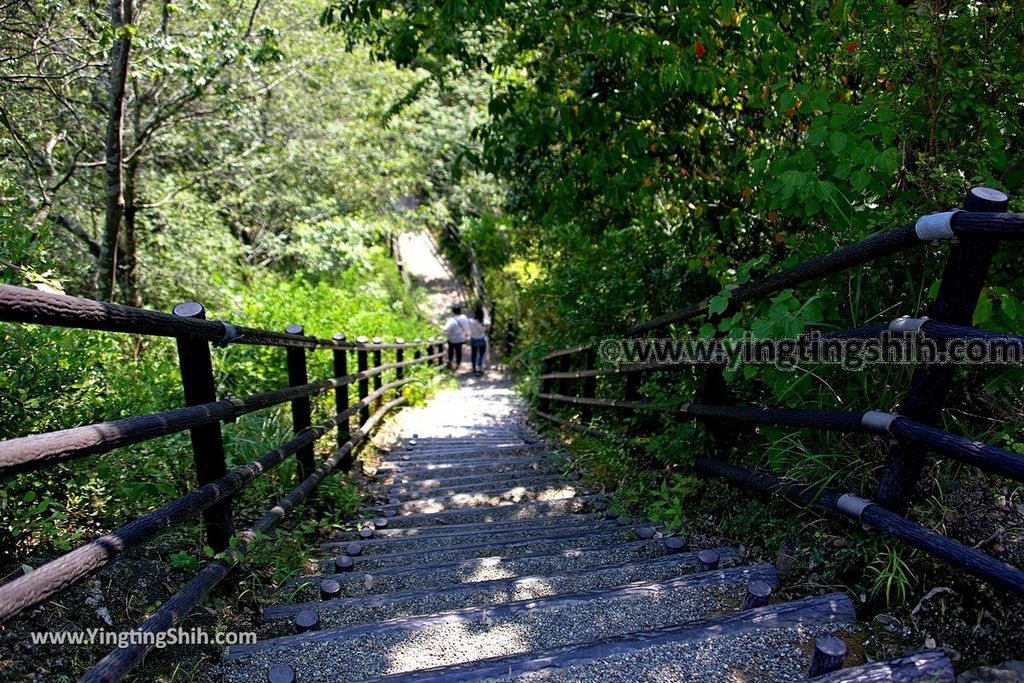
(534, 546)
(486, 569)
(449, 468)
(771, 656)
(411, 492)
(566, 520)
(342, 613)
(486, 514)
(472, 499)
(479, 634)
(430, 483)
(479, 539)
(488, 553)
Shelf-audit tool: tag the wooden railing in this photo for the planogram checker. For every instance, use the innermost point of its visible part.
(568, 377)
(202, 416)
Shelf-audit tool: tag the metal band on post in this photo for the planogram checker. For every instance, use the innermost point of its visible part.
(935, 226)
(877, 421)
(852, 506)
(907, 324)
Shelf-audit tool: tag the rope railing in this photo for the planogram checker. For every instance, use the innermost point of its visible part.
(974, 234)
(202, 416)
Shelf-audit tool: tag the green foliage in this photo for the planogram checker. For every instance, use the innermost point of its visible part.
(653, 155)
(890, 576)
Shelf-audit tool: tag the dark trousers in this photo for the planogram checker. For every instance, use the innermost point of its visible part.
(455, 351)
(476, 353)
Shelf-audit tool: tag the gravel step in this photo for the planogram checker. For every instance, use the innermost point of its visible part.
(471, 634)
(344, 612)
(536, 462)
(504, 511)
(568, 520)
(767, 645)
(414, 490)
(443, 574)
(461, 455)
(491, 497)
(427, 481)
(473, 445)
(601, 538)
(477, 533)
(419, 465)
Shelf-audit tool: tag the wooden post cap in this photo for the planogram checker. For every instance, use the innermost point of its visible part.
(353, 549)
(329, 588)
(757, 595)
(189, 309)
(280, 673)
(673, 544)
(307, 620)
(707, 560)
(827, 656)
(344, 563)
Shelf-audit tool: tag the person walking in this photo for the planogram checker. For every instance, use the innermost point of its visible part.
(456, 330)
(477, 340)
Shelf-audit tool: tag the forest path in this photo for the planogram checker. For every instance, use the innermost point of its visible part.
(429, 269)
(481, 556)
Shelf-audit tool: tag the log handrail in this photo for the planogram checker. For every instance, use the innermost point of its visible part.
(975, 234)
(216, 485)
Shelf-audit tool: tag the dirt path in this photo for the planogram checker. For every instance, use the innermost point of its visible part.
(429, 269)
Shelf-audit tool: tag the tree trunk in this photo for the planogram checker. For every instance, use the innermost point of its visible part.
(128, 265)
(120, 16)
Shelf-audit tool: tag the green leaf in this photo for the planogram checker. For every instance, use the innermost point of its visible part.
(836, 141)
(983, 311)
(718, 304)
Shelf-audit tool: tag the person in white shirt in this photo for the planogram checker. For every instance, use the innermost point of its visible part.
(456, 330)
(477, 340)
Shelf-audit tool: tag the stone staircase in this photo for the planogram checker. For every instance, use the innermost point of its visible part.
(485, 560)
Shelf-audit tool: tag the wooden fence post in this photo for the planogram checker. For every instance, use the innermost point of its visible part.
(341, 398)
(545, 386)
(364, 384)
(301, 408)
(399, 357)
(378, 379)
(564, 365)
(207, 441)
(589, 384)
(962, 281)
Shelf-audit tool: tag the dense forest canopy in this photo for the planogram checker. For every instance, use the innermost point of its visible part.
(670, 147)
(245, 137)
(260, 173)
(653, 154)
